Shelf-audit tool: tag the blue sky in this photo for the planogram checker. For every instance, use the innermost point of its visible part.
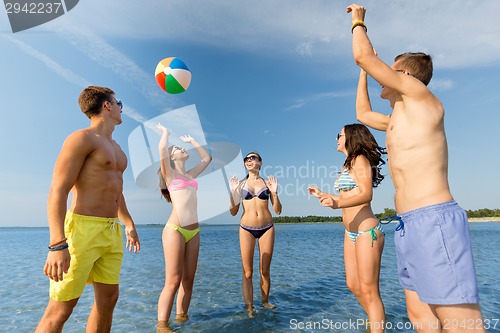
(276, 77)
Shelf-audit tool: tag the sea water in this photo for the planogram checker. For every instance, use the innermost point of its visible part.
(307, 276)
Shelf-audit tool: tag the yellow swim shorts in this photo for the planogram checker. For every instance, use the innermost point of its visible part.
(96, 249)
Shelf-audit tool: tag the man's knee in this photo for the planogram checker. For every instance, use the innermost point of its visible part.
(56, 314)
(106, 295)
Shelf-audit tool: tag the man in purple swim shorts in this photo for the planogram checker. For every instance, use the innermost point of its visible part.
(433, 247)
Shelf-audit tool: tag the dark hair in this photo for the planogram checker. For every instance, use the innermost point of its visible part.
(163, 184)
(418, 64)
(92, 98)
(163, 187)
(360, 141)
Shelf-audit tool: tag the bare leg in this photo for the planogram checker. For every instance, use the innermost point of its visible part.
(101, 314)
(173, 249)
(266, 248)
(163, 327)
(368, 259)
(56, 314)
(247, 247)
(428, 318)
(351, 270)
(423, 318)
(186, 288)
(460, 318)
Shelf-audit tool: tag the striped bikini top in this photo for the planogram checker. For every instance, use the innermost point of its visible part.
(344, 182)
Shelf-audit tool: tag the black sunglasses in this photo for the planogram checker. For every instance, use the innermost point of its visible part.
(119, 103)
(251, 158)
(339, 135)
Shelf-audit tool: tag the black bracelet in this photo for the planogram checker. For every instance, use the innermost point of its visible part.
(59, 248)
(359, 24)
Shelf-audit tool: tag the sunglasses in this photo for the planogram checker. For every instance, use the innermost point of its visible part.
(251, 158)
(339, 135)
(119, 103)
(174, 148)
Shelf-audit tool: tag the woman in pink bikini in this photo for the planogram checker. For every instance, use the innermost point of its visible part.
(256, 225)
(181, 239)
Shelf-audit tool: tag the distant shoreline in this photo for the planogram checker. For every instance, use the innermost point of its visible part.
(484, 219)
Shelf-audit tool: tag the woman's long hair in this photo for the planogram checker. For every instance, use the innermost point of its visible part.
(360, 141)
(163, 184)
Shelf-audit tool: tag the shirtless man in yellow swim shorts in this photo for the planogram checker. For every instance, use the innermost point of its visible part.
(86, 240)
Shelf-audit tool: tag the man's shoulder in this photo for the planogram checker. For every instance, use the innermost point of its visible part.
(80, 138)
(81, 133)
(424, 104)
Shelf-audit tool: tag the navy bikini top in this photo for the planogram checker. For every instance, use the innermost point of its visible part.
(262, 194)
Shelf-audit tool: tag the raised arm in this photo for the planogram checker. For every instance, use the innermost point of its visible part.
(205, 156)
(235, 195)
(166, 169)
(364, 112)
(272, 184)
(364, 57)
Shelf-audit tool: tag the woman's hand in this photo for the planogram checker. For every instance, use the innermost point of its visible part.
(163, 129)
(272, 183)
(329, 200)
(314, 191)
(187, 138)
(233, 183)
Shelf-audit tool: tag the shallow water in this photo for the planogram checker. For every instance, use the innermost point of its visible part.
(307, 272)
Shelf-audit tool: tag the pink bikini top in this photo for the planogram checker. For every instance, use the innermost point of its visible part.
(181, 182)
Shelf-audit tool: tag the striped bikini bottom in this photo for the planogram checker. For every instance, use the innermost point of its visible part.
(354, 234)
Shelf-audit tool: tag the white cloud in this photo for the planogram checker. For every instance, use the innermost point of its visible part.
(458, 33)
(107, 56)
(66, 73)
(63, 72)
(440, 85)
(301, 102)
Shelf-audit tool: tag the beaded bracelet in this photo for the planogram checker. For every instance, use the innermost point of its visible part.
(56, 243)
(59, 248)
(359, 23)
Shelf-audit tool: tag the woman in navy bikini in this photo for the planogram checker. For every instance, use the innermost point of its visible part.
(256, 225)
(364, 238)
(181, 239)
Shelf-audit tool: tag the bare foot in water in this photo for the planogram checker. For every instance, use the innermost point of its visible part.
(181, 318)
(250, 310)
(268, 305)
(163, 327)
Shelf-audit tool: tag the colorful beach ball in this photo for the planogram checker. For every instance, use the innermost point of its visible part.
(173, 75)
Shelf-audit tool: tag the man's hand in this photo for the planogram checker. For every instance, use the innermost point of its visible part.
(57, 263)
(133, 242)
(358, 12)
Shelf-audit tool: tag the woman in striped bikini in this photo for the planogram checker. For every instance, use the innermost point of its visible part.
(364, 238)
(256, 225)
(181, 239)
